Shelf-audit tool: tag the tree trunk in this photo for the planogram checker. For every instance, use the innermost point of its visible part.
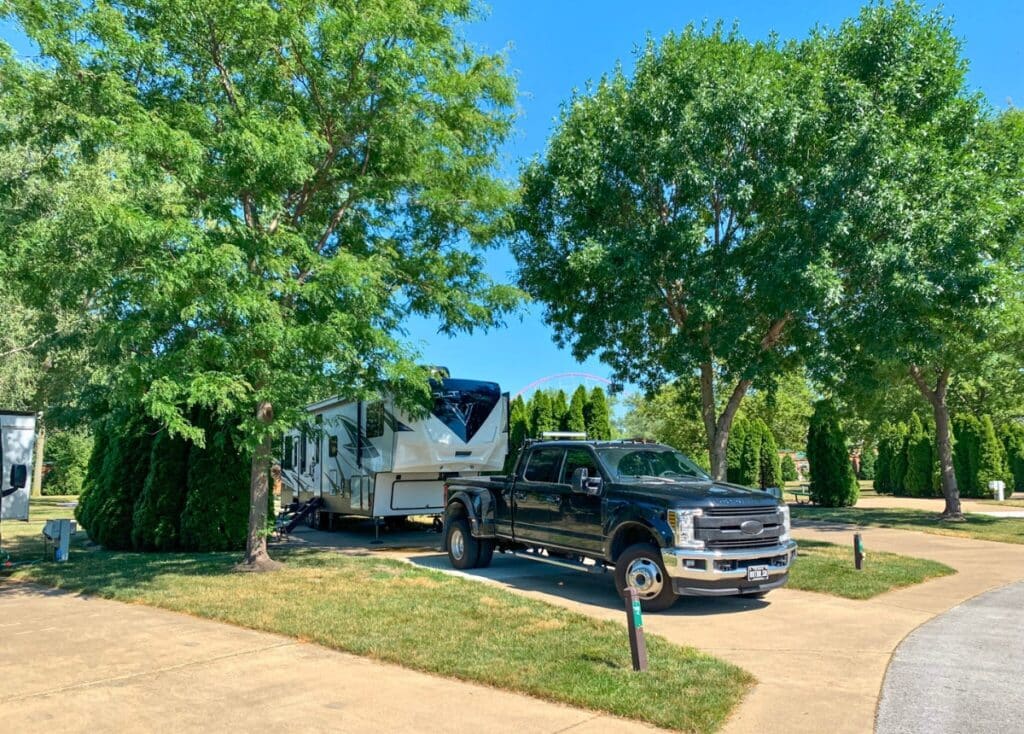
(717, 427)
(256, 556)
(37, 469)
(943, 441)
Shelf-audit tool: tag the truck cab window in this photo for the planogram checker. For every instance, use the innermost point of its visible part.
(579, 459)
(543, 465)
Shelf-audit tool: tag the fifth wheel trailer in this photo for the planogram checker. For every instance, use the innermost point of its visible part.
(371, 459)
(17, 444)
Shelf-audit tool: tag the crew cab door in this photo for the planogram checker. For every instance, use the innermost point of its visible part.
(537, 495)
(579, 521)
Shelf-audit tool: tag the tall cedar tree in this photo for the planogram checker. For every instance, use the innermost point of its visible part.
(576, 420)
(541, 416)
(217, 507)
(883, 461)
(750, 459)
(655, 230)
(867, 463)
(122, 478)
(789, 472)
(560, 410)
(89, 500)
(898, 467)
(598, 416)
(734, 452)
(156, 519)
(519, 431)
(251, 197)
(918, 480)
(1012, 435)
(967, 433)
(832, 481)
(771, 469)
(991, 464)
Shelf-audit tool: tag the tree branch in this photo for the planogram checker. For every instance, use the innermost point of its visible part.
(775, 331)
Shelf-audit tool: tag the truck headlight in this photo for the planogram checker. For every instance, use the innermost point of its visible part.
(784, 511)
(682, 524)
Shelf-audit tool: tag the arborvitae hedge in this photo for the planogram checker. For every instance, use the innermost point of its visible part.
(560, 410)
(771, 469)
(1012, 436)
(734, 450)
(898, 462)
(598, 416)
(867, 462)
(832, 480)
(883, 462)
(519, 431)
(575, 419)
(122, 476)
(750, 460)
(967, 443)
(541, 417)
(789, 472)
(991, 464)
(90, 497)
(920, 459)
(157, 516)
(216, 512)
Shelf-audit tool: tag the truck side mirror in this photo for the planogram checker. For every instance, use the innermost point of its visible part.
(19, 476)
(583, 483)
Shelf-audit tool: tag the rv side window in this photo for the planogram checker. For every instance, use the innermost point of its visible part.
(286, 458)
(375, 419)
(332, 446)
(543, 465)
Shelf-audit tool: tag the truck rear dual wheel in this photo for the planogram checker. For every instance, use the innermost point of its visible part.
(465, 551)
(640, 568)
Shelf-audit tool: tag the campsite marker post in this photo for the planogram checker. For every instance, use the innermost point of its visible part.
(635, 623)
(858, 551)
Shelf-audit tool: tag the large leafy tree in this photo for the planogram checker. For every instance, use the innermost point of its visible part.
(680, 219)
(247, 198)
(929, 277)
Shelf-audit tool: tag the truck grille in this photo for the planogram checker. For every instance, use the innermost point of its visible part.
(721, 527)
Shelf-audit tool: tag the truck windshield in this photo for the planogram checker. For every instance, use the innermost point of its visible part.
(626, 462)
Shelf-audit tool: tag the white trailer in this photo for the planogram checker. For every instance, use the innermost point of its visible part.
(17, 444)
(371, 459)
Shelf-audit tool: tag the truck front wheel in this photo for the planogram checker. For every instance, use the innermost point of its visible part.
(463, 548)
(640, 568)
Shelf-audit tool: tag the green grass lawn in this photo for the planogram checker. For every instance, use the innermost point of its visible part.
(422, 619)
(828, 568)
(980, 527)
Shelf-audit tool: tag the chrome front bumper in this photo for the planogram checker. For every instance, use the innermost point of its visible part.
(723, 565)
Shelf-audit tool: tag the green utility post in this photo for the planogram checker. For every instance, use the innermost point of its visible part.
(635, 623)
(858, 551)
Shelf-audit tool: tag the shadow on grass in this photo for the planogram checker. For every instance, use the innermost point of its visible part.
(982, 527)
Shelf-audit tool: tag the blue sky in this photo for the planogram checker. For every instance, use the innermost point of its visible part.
(556, 45)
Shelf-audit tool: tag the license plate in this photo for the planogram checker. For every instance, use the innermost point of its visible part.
(757, 573)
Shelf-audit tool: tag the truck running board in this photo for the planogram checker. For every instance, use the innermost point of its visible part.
(563, 562)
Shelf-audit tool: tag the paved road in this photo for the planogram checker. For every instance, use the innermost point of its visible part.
(961, 672)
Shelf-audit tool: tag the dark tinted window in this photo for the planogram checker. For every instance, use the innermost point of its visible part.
(375, 420)
(332, 446)
(576, 459)
(543, 465)
(287, 461)
(464, 405)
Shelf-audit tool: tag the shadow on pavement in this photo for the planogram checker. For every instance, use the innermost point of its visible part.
(576, 586)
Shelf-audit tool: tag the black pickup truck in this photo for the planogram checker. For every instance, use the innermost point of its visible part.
(643, 508)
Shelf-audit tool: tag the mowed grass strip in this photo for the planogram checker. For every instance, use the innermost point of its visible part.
(979, 527)
(426, 620)
(828, 568)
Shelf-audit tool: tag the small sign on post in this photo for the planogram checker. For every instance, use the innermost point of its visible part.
(858, 551)
(635, 623)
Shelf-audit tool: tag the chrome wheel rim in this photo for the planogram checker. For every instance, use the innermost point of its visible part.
(457, 544)
(644, 576)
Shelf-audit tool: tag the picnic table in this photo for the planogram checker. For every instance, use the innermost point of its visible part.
(801, 495)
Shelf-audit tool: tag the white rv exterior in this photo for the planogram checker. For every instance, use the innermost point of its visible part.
(18, 444)
(369, 458)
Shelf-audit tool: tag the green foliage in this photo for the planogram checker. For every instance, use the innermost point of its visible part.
(789, 472)
(92, 489)
(867, 463)
(917, 481)
(883, 462)
(519, 431)
(898, 465)
(560, 410)
(832, 481)
(156, 519)
(966, 454)
(575, 420)
(1012, 435)
(247, 192)
(67, 453)
(541, 415)
(750, 459)
(122, 476)
(991, 461)
(216, 511)
(770, 466)
(597, 416)
(784, 405)
(734, 451)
